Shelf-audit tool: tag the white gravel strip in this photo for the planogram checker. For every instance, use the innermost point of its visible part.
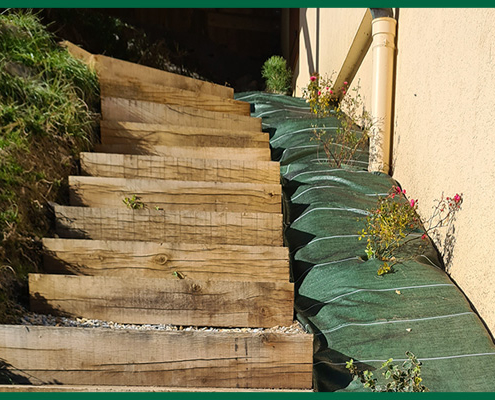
(50, 320)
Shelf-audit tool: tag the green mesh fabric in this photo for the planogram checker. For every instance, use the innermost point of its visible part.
(353, 312)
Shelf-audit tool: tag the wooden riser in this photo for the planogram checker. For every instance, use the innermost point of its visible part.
(162, 260)
(184, 169)
(121, 132)
(247, 229)
(86, 356)
(175, 195)
(119, 109)
(112, 68)
(163, 301)
(139, 90)
(210, 153)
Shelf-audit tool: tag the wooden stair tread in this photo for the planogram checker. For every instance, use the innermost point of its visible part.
(172, 168)
(120, 109)
(211, 153)
(140, 90)
(114, 132)
(94, 356)
(161, 260)
(175, 195)
(164, 301)
(248, 229)
(108, 67)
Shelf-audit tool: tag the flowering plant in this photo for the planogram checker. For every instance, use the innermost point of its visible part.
(354, 122)
(393, 222)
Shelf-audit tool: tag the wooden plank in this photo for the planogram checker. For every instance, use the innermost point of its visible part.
(175, 195)
(119, 109)
(163, 301)
(113, 68)
(83, 356)
(126, 389)
(109, 67)
(186, 169)
(247, 229)
(211, 153)
(116, 132)
(140, 90)
(161, 260)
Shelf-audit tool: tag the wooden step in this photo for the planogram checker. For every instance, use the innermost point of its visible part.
(164, 301)
(186, 169)
(112, 68)
(93, 356)
(119, 109)
(175, 195)
(130, 389)
(141, 90)
(121, 132)
(134, 259)
(200, 227)
(210, 153)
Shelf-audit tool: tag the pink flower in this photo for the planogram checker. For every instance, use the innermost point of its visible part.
(343, 91)
(397, 189)
(345, 83)
(412, 202)
(313, 78)
(331, 91)
(423, 237)
(457, 198)
(319, 92)
(404, 191)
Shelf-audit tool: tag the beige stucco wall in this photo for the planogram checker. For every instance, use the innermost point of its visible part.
(444, 114)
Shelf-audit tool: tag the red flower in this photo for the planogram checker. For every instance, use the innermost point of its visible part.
(313, 78)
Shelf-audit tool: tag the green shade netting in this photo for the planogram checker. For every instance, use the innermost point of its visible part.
(353, 312)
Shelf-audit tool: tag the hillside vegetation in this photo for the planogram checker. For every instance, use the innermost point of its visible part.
(48, 114)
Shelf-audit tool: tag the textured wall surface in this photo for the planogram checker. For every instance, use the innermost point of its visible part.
(443, 122)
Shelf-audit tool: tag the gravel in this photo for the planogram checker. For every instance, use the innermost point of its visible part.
(50, 320)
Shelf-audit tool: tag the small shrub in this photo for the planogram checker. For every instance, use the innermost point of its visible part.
(405, 379)
(355, 123)
(134, 202)
(277, 75)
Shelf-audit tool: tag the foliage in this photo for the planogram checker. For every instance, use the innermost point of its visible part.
(405, 379)
(354, 122)
(134, 203)
(48, 105)
(277, 75)
(394, 221)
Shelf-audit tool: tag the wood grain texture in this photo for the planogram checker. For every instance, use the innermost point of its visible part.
(126, 389)
(134, 259)
(211, 153)
(175, 195)
(247, 229)
(108, 67)
(163, 301)
(186, 169)
(82, 356)
(121, 132)
(119, 109)
(141, 90)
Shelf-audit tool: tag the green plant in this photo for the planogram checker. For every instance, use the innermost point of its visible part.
(277, 75)
(405, 379)
(393, 222)
(134, 202)
(354, 122)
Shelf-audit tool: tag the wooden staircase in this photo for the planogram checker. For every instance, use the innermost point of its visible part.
(199, 243)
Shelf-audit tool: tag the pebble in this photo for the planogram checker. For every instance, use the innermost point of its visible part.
(50, 320)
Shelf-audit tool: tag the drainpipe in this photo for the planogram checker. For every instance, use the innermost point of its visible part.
(383, 50)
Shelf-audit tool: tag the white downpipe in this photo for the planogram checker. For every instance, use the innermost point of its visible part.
(383, 52)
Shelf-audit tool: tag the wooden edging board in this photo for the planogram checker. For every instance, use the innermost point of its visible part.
(141, 90)
(164, 301)
(175, 195)
(135, 259)
(115, 132)
(131, 389)
(211, 153)
(108, 67)
(120, 109)
(247, 229)
(94, 356)
(185, 169)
